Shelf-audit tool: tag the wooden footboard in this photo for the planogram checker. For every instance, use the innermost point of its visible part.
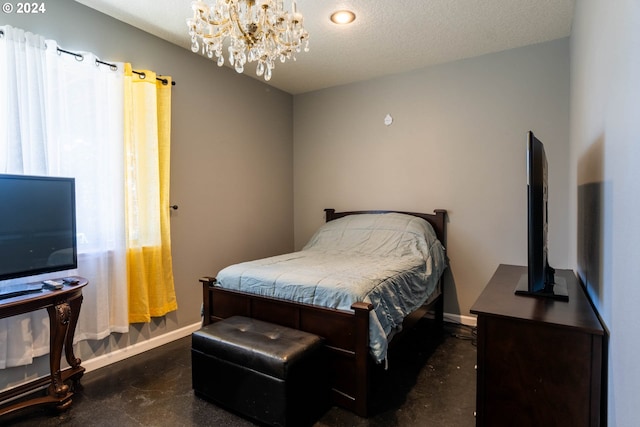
(346, 334)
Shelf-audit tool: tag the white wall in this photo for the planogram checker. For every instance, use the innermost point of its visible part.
(458, 142)
(605, 154)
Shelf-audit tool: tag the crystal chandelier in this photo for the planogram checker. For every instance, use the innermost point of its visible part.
(257, 30)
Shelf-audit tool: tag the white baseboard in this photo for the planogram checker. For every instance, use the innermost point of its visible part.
(135, 349)
(458, 318)
(138, 348)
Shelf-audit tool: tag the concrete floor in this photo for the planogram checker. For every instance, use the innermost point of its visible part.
(430, 382)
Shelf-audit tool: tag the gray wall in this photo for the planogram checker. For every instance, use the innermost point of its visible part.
(605, 153)
(231, 158)
(458, 142)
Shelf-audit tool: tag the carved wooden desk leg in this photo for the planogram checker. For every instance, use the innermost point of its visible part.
(59, 316)
(73, 322)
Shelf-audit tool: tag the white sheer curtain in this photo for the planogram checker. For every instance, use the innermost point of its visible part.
(64, 117)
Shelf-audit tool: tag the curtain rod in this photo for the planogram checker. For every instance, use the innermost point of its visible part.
(113, 67)
(140, 73)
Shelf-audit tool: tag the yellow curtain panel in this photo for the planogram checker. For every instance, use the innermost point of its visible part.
(147, 147)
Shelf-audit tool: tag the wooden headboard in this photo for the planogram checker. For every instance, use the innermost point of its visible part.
(437, 219)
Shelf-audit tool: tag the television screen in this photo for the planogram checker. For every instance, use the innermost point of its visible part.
(37, 225)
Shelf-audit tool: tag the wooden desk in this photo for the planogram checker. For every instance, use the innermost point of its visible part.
(63, 307)
(540, 361)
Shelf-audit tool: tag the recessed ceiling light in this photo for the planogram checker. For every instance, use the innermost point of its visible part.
(343, 17)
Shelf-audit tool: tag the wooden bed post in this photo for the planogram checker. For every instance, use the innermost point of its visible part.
(207, 282)
(441, 230)
(328, 214)
(362, 310)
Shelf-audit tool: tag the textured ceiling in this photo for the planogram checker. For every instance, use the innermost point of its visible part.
(387, 37)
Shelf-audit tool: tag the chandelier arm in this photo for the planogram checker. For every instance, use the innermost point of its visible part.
(219, 34)
(235, 19)
(216, 23)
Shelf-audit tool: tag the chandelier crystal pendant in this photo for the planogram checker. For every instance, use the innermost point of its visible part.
(256, 30)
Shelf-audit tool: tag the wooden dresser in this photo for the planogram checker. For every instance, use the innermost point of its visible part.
(540, 361)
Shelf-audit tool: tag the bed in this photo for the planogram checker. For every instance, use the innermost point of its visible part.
(363, 277)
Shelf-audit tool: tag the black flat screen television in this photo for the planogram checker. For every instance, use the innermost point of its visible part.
(37, 225)
(540, 278)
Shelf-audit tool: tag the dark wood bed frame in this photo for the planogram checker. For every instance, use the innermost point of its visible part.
(346, 332)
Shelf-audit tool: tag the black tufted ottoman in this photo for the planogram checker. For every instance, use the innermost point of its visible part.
(273, 374)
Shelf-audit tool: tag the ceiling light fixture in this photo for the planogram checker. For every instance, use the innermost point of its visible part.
(343, 17)
(256, 30)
